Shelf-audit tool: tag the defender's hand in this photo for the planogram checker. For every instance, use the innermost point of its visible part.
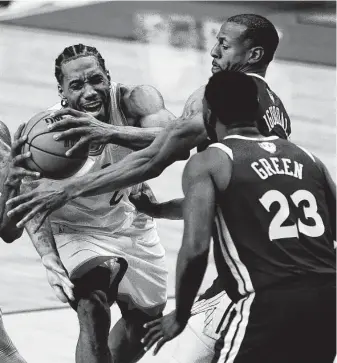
(58, 277)
(47, 195)
(145, 201)
(80, 125)
(15, 170)
(161, 331)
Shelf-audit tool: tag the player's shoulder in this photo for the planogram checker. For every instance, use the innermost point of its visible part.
(194, 102)
(141, 100)
(212, 164)
(216, 156)
(307, 157)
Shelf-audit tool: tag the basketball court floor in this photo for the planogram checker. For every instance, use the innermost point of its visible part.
(43, 329)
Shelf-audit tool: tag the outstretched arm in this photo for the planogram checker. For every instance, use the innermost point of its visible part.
(173, 143)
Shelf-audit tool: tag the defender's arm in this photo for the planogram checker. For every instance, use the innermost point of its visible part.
(198, 212)
(204, 174)
(173, 143)
(143, 104)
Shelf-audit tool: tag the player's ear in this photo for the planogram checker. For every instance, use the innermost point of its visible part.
(108, 75)
(60, 91)
(256, 54)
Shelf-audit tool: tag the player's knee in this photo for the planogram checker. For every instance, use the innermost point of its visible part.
(90, 306)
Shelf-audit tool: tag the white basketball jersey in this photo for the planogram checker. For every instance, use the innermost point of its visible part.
(110, 212)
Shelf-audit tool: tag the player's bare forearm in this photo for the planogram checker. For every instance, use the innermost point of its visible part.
(134, 138)
(43, 240)
(9, 232)
(189, 275)
(198, 212)
(173, 209)
(173, 143)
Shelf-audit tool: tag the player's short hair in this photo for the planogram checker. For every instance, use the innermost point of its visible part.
(233, 98)
(74, 52)
(260, 31)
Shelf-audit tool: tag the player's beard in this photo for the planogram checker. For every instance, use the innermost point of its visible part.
(237, 67)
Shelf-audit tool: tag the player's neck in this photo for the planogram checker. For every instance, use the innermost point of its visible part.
(261, 71)
(249, 131)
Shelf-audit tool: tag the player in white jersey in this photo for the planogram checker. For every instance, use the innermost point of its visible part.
(110, 251)
(11, 174)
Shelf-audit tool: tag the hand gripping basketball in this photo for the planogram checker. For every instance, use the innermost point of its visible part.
(82, 126)
(47, 154)
(16, 160)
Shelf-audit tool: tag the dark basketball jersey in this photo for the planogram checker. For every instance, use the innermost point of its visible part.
(272, 222)
(273, 120)
(272, 116)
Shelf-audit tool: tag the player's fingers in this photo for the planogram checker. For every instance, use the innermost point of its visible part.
(56, 267)
(65, 280)
(40, 219)
(152, 323)
(69, 292)
(154, 339)
(77, 131)
(80, 143)
(17, 145)
(18, 203)
(159, 345)
(19, 131)
(149, 334)
(24, 173)
(65, 123)
(31, 184)
(60, 293)
(19, 159)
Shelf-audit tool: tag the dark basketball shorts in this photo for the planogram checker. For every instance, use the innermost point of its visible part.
(291, 324)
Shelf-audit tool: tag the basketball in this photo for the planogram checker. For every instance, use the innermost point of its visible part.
(48, 155)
